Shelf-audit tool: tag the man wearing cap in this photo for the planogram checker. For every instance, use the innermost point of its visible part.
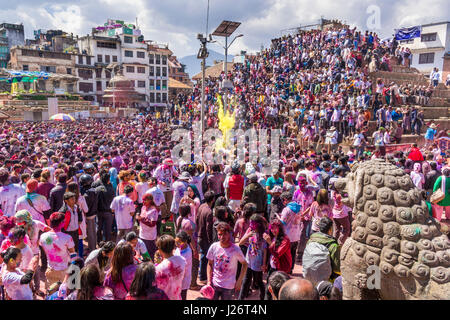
(34, 203)
(165, 173)
(9, 193)
(72, 216)
(256, 194)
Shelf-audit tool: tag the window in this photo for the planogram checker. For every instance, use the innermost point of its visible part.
(158, 71)
(151, 71)
(158, 84)
(407, 41)
(56, 84)
(107, 59)
(426, 58)
(141, 84)
(99, 58)
(80, 59)
(152, 97)
(141, 54)
(164, 97)
(158, 59)
(87, 87)
(151, 58)
(26, 85)
(99, 86)
(98, 73)
(164, 84)
(164, 72)
(426, 37)
(109, 45)
(132, 83)
(85, 74)
(128, 39)
(158, 97)
(88, 60)
(114, 58)
(41, 85)
(152, 84)
(128, 53)
(164, 60)
(141, 69)
(130, 69)
(70, 87)
(25, 67)
(69, 70)
(107, 74)
(48, 69)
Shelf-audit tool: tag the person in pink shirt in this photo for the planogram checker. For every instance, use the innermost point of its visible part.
(170, 272)
(304, 196)
(340, 218)
(320, 208)
(122, 271)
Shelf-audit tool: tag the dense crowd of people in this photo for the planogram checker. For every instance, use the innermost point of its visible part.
(105, 196)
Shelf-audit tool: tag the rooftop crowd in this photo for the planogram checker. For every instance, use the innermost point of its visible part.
(105, 196)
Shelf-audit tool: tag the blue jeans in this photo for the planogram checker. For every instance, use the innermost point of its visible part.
(223, 293)
(203, 261)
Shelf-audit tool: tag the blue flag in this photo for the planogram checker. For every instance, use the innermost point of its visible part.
(408, 33)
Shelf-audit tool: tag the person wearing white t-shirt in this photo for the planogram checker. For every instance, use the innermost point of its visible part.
(158, 199)
(148, 219)
(123, 209)
(9, 193)
(59, 249)
(16, 280)
(170, 272)
(34, 203)
(17, 237)
(223, 257)
(184, 250)
(140, 249)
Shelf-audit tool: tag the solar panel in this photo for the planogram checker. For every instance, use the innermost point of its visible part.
(226, 28)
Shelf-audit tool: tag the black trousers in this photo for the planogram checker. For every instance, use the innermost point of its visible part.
(257, 277)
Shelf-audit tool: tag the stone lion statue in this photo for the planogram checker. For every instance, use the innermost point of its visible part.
(392, 230)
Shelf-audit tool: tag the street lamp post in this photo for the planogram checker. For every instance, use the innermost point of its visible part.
(202, 54)
(226, 29)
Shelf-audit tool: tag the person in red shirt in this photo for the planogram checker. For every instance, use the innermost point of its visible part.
(235, 187)
(279, 248)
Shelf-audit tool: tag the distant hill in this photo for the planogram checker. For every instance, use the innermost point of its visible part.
(193, 65)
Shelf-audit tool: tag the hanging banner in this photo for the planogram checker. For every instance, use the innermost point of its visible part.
(408, 33)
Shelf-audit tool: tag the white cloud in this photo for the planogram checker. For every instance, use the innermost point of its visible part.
(177, 22)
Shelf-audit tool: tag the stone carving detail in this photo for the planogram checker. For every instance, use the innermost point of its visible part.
(393, 230)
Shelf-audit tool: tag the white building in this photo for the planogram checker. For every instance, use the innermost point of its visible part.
(85, 70)
(158, 56)
(118, 44)
(105, 51)
(432, 49)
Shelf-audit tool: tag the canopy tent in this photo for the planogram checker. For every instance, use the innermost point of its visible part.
(24, 76)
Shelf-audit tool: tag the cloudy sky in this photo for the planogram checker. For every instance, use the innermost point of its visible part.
(177, 22)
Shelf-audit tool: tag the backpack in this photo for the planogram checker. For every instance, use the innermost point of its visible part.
(316, 262)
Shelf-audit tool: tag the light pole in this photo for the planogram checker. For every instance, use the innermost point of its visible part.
(226, 29)
(203, 54)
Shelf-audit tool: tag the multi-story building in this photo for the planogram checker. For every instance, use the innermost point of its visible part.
(117, 45)
(158, 75)
(106, 51)
(59, 63)
(431, 49)
(10, 35)
(85, 70)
